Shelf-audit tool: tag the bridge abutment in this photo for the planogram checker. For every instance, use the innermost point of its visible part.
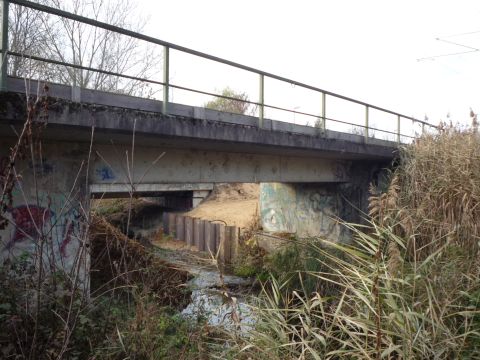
(318, 210)
(47, 217)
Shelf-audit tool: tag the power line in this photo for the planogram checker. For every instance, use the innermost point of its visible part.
(472, 49)
(462, 34)
(454, 43)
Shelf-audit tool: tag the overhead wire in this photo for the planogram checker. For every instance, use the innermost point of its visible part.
(442, 39)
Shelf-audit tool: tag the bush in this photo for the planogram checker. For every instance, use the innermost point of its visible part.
(50, 316)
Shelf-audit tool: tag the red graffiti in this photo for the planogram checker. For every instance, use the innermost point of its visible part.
(67, 238)
(29, 221)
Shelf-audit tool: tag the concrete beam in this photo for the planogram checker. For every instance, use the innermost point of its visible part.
(192, 166)
(106, 188)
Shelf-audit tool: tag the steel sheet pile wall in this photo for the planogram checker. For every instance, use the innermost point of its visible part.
(203, 235)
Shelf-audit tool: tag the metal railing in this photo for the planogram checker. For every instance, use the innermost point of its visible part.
(166, 84)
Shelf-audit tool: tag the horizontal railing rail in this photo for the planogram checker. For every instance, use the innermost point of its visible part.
(166, 78)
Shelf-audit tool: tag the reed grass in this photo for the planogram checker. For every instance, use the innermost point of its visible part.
(407, 287)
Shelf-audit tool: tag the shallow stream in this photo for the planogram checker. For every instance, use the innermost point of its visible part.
(218, 300)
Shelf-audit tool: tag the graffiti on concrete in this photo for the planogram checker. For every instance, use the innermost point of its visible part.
(276, 201)
(29, 222)
(67, 237)
(105, 173)
(70, 229)
(319, 202)
(45, 212)
(304, 210)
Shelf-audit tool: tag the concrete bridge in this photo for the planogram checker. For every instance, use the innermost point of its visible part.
(200, 145)
(84, 143)
(132, 146)
(116, 145)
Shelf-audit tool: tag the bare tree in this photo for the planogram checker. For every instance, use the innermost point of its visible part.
(25, 37)
(57, 38)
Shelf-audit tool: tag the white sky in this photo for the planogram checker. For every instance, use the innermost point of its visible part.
(365, 49)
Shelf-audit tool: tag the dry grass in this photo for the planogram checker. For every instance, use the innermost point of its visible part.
(434, 196)
(120, 261)
(409, 285)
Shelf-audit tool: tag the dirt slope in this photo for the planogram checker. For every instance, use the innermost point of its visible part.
(235, 204)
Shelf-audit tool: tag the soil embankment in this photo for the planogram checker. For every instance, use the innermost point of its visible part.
(235, 204)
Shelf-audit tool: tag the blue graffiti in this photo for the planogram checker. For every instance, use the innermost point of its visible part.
(42, 167)
(105, 173)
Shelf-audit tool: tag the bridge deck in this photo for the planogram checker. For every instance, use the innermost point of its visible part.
(116, 116)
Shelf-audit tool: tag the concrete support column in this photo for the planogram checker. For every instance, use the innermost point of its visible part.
(317, 210)
(307, 210)
(199, 196)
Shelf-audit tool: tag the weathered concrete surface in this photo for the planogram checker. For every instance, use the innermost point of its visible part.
(198, 196)
(317, 210)
(302, 210)
(116, 116)
(116, 190)
(50, 205)
(201, 146)
(127, 135)
(111, 165)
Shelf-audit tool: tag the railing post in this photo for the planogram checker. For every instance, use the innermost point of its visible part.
(423, 128)
(261, 101)
(366, 123)
(76, 85)
(3, 43)
(324, 112)
(166, 79)
(398, 129)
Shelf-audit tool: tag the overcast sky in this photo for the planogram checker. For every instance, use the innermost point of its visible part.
(366, 49)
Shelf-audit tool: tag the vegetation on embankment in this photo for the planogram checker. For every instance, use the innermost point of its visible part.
(132, 308)
(408, 287)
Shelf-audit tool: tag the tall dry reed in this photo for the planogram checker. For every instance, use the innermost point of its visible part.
(408, 287)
